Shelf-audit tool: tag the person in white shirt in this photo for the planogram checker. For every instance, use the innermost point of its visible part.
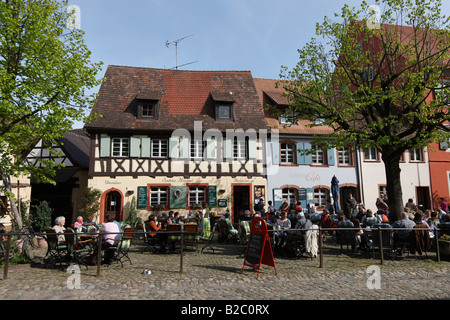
(59, 227)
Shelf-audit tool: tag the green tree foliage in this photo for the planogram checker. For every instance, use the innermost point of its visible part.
(45, 75)
(377, 82)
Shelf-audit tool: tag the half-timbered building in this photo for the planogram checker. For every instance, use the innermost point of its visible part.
(177, 140)
(65, 197)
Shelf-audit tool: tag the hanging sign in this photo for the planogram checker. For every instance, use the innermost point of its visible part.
(259, 250)
(142, 198)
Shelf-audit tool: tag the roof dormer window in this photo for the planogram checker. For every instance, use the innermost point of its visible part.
(223, 105)
(224, 112)
(147, 109)
(147, 104)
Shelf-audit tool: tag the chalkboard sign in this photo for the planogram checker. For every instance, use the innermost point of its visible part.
(142, 198)
(259, 250)
(301, 194)
(212, 196)
(255, 248)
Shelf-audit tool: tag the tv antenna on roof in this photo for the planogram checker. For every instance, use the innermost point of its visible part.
(176, 42)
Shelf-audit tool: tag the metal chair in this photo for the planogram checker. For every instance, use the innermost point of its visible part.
(56, 252)
(224, 232)
(208, 235)
(347, 237)
(151, 242)
(420, 240)
(387, 238)
(191, 234)
(77, 251)
(123, 247)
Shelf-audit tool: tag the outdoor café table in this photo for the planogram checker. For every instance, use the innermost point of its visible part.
(90, 239)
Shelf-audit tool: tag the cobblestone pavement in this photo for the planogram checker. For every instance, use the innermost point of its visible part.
(219, 276)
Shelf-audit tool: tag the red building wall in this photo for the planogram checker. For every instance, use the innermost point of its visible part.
(439, 161)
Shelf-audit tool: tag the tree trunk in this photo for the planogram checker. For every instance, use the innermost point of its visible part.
(26, 249)
(394, 185)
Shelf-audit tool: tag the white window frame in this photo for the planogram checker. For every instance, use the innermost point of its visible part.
(162, 148)
(197, 194)
(345, 156)
(371, 154)
(289, 194)
(239, 148)
(320, 197)
(287, 118)
(416, 155)
(120, 147)
(160, 193)
(197, 148)
(318, 156)
(287, 155)
(443, 90)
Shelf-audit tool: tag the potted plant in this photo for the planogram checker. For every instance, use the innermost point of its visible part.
(91, 207)
(133, 219)
(42, 219)
(158, 207)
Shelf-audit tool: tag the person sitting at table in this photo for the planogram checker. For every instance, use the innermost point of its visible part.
(154, 228)
(59, 227)
(231, 229)
(176, 218)
(189, 215)
(281, 224)
(78, 223)
(111, 235)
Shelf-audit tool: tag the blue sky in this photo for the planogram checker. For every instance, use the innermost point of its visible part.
(255, 35)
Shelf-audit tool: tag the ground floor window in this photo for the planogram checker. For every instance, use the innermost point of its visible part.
(289, 194)
(197, 194)
(320, 197)
(158, 195)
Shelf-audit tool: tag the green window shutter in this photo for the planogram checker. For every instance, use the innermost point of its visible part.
(227, 148)
(331, 157)
(105, 146)
(211, 148)
(135, 144)
(184, 147)
(173, 148)
(277, 198)
(252, 149)
(307, 147)
(145, 147)
(178, 197)
(300, 155)
(275, 152)
(309, 199)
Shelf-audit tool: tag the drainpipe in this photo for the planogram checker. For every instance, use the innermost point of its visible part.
(359, 174)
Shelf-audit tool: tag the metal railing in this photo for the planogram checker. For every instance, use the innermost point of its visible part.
(321, 231)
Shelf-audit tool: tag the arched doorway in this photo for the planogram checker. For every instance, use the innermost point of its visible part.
(111, 204)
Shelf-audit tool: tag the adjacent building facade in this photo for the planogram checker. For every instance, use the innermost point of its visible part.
(294, 175)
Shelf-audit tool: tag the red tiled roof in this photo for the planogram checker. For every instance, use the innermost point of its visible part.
(268, 93)
(185, 97)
